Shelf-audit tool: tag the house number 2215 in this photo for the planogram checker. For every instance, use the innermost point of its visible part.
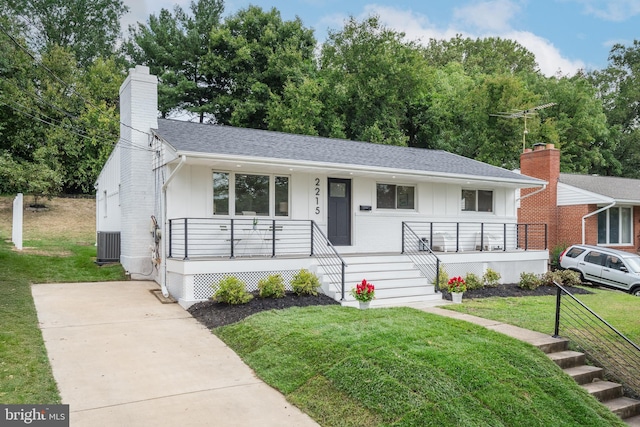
(316, 191)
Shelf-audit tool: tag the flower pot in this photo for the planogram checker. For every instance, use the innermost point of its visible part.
(364, 305)
(456, 297)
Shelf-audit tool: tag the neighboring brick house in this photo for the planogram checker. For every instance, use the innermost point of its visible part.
(590, 209)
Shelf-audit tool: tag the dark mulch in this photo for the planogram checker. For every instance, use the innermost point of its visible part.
(213, 314)
(512, 290)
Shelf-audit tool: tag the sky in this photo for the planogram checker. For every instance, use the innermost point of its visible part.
(565, 35)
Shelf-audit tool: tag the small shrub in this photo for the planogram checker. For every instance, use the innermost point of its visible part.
(271, 287)
(491, 278)
(549, 277)
(305, 283)
(529, 281)
(232, 290)
(473, 281)
(443, 278)
(570, 278)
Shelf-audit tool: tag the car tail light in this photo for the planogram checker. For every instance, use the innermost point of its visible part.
(561, 255)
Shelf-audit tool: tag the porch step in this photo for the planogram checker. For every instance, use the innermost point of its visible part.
(396, 278)
(626, 408)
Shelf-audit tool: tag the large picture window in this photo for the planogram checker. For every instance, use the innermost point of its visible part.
(477, 201)
(250, 194)
(614, 226)
(391, 196)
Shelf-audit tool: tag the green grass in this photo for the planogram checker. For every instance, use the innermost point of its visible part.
(400, 366)
(619, 309)
(25, 373)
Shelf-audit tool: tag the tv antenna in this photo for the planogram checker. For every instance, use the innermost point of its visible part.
(525, 114)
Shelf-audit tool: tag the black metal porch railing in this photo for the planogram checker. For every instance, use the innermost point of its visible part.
(418, 250)
(238, 237)
(479, 236)
(328, 257)
(603, 344)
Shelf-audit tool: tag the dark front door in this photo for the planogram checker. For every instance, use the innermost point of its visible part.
(339, 220)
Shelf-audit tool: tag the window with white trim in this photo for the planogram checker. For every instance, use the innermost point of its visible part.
(250, 194)
(476, 201)
(615, 226)
(392, 196)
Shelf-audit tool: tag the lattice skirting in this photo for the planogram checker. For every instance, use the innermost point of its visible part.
(203, 284)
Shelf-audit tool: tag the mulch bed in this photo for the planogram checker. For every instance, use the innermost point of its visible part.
(213, 314)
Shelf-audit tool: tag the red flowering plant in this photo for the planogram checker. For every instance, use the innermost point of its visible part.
(456, 284)
(364, 291)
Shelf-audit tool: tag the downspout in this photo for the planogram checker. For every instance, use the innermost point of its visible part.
(544, 187)
(163, 284)
(591, 214)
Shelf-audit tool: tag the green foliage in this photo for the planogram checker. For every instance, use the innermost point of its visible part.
(473, 281)
(529, 281)
(554, 256)
(443, 277)
(271, 287)
(563, 277)
(305, 283)
(231, 290)
(491, 278)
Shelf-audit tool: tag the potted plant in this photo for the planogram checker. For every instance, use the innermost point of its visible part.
(255, 223)
(456, 286)
(364, 292)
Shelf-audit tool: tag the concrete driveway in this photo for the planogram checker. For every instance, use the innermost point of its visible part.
(122, 358)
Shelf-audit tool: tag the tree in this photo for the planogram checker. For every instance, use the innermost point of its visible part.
(254, 55)
(89, 28)
(174, 47)
(371, 76)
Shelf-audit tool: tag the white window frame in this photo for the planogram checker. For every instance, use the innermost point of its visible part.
(395, 199)
(620, 225)
(477, 200)
(272, 194)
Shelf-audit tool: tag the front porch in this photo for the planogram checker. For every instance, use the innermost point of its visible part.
(203, 251)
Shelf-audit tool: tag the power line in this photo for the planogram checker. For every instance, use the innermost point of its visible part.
(39, 63)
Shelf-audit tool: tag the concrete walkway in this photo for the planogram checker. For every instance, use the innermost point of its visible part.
(122, 358)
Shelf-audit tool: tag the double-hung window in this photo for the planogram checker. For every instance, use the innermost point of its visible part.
(391, 196)
(477, 201)
(615, 226)
(250, 194)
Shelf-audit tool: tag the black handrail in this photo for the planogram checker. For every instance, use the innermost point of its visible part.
(332, 252)
(420, 253)
(600, 341)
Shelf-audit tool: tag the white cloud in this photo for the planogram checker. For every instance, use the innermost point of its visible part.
(417, 26)
(612, 10)
(492, 15)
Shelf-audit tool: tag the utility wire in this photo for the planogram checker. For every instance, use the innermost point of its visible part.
(38, 62)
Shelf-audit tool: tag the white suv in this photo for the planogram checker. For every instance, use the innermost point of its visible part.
(608, 267)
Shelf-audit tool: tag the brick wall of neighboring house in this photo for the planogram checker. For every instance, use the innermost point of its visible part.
(543, 162)
(570, 225)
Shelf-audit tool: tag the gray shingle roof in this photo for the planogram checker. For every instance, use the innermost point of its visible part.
(609, 186)
(187, 137)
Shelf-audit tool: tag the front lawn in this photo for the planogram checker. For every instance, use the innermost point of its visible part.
(400, 366)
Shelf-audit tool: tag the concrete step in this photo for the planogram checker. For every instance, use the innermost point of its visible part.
(633, 421)
(603, 390)
(584, 374)
(624, 407)
(567, 358)
(356, 277)
(549, 344)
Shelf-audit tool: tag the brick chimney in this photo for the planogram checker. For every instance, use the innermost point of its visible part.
(543, 162)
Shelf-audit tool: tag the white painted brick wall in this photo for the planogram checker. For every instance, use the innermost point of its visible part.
(138, 110)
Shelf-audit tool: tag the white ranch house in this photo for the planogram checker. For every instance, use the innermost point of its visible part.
(192, 203)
